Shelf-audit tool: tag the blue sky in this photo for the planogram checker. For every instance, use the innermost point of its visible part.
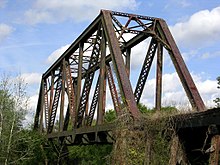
(33, 33)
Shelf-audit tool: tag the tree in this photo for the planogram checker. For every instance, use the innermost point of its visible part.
(217, 100)
(18, 145)
(13, 105)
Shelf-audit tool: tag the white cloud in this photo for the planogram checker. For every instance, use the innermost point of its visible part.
(56, 54)
(201, 28)
(32, 105)
(171, 82)
(207, 87)
(175, 98)
(58, 11)
(173, 92)
(138, 54)
(5, 31)
(31, 78)
(33, 101)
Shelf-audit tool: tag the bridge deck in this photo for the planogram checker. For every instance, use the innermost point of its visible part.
(103, 133)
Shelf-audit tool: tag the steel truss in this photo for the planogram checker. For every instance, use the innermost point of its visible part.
(73, 90)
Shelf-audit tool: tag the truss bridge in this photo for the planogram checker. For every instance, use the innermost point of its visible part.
(95, 73)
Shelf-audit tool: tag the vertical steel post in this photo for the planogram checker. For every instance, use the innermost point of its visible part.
(79, 79)
(159, 76)
(41, 107)
(102, 82)
(38, 110)
(70, 91)
(45, 102)
(62, 98)
(113, 90)
(128, 61)
(51, 93)
(86, 113)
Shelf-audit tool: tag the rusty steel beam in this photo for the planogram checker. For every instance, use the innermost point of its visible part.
(102, 82)
(93, 104)
(54, 105)
(117, 59)
(51, 93)
(113, 90)
(70, 91)
(79, 76)
(41, 106)
(66, 119)
(62, 100)
(39, 109)
(159, 76)
(128, 61)
(46, 106)
(131, 15)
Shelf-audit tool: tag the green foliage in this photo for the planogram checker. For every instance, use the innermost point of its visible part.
(160, 150)
(169, 109)
(18, 145)
(90, 154)
(149, 112)
(146, 141)
(10, 126)
(31, 148)
(110, 116)
(144, 110)
(217, 100)
(135, 156)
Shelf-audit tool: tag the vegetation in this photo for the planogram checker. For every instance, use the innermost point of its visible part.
(138, 142)
(217, 100)
(18, 145)
(90, 154)
(146, 141)
(110, 116)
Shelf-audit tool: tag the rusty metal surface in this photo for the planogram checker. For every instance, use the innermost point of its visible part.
(53, 110)
(86, 135)
(124, 83)
(93, 104)
(159, 74)
(89, 78)
(75, 86)
(113, 90)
